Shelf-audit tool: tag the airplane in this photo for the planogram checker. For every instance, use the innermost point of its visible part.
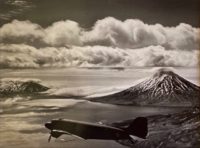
(85, 130)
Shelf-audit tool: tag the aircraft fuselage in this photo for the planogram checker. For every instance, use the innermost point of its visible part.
(88, 130)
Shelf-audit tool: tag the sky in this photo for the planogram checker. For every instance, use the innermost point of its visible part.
(84, 33)
(86, 12)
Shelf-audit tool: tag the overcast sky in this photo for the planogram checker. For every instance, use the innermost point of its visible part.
(86, 12)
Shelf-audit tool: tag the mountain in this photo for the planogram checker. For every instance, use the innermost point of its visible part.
(177, 130)
(17, 87)
(164, 88)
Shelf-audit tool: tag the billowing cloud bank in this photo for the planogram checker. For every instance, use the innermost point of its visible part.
(110, 42)
(136, 34)
(107, 32)
(24, 56)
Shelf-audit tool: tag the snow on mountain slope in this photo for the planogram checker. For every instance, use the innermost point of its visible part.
(163, 88)
(10, 87)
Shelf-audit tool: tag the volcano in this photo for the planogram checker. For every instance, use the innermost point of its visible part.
(19, 87)
(164, 88)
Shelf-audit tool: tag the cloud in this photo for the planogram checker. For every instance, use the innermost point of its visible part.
(131, 33)
(21, 32)
(110, 42)
(63, 33)
(16, 7)
(134, 33)
(25, 56)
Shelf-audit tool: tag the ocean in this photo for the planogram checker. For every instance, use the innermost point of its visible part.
(22, 117)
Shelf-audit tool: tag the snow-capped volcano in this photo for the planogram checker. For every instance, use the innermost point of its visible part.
(163, 88)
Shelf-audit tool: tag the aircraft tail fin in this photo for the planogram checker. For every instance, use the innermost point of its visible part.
(138, 127)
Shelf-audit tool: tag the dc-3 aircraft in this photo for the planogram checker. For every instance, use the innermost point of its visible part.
(85, 130)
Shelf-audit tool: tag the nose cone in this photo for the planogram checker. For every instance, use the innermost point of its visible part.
(49, 125)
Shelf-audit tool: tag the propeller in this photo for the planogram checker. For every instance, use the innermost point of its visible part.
(49, 139)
